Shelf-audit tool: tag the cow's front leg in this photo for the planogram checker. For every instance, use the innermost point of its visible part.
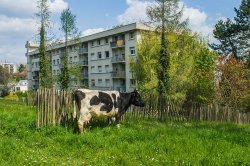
(118, 119)
(84, 119)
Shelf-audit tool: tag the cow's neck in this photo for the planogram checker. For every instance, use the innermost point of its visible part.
(125, 101)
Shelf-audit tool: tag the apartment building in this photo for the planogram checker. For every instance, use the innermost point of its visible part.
(11, 67)
(104, 59)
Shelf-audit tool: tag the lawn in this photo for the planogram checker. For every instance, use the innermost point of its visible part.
(136, 142)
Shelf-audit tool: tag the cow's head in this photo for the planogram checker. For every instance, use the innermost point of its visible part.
(136, 99)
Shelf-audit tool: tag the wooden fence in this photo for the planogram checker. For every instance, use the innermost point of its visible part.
(56, 107)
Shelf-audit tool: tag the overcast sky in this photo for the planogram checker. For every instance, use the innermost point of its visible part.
(18, 23)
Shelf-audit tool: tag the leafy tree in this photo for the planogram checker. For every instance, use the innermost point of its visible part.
(45, 72)
(233, 35)
(68, 26)
(226, 33)
(243, 22)
(4, 75)
(165, 15)
(145, 64)
(21, 68)
(234, 81)
(203, 75)
(191, 66)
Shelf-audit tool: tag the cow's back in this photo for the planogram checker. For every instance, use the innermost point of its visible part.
(99, 103)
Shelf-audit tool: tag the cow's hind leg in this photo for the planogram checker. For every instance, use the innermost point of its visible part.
(84, 119)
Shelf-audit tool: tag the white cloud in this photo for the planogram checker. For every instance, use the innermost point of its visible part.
(24, 8)
(136, 11)
(91, 31)
(57, 6)
(16, 55)
(19, 25)
(198, 21)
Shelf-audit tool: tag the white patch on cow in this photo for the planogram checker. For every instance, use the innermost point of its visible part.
(87, 111)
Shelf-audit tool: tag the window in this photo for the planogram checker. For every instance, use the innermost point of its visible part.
(132, 50)
(98, 42)
(99, 55)
(57, 72)
(131, 35)
(107, 54)
(54, 62)
(132, 82)
(70, 59)
(58, 61)
(107, 83)
(92, 69)
(92, 43)
(106, 40)
(93, 82)
(54, 72)
(92, 56)
(99, 69)
(107, 68)
(18, 89)
(100, 82)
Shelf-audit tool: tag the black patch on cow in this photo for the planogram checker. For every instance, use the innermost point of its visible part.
(79, 95)
(94, 100)
(107, 101)
(114, 98)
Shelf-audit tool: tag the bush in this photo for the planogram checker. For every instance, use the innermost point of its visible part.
(4, 91)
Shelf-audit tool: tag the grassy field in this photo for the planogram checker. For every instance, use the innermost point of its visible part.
(137, 142)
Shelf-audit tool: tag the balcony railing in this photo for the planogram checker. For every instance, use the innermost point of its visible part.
(118, 74)
(83, 50)
(85, 75)
(117, 59)
(120, 88)
(118, 43)
(84, 63)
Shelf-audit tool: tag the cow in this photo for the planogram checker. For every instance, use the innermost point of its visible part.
(101, 104)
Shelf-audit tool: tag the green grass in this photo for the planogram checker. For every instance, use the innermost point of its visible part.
(137, 142)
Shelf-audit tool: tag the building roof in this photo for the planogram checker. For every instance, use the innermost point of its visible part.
(109, 32)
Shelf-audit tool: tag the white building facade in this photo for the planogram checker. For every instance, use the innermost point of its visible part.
(11, 67)
(104, 58)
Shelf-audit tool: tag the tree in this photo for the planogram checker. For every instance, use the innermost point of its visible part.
(234, 81)
(68, 26)
(21, 68)
(203, 79)
(165, 15)
(226, 32)
(145, 64)
(45, 72)
(191, 66)
(233, 35)
(4, 75)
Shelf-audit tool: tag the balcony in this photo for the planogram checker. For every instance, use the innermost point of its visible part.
(84, 63)
(120, 88)
(118, 74)
(117, 44)
(83, 50)
(118, 59)
(85, 75)
(100, 88)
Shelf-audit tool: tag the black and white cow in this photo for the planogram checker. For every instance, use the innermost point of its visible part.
(98, 104)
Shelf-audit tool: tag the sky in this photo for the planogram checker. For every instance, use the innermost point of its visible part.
(18, 23)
